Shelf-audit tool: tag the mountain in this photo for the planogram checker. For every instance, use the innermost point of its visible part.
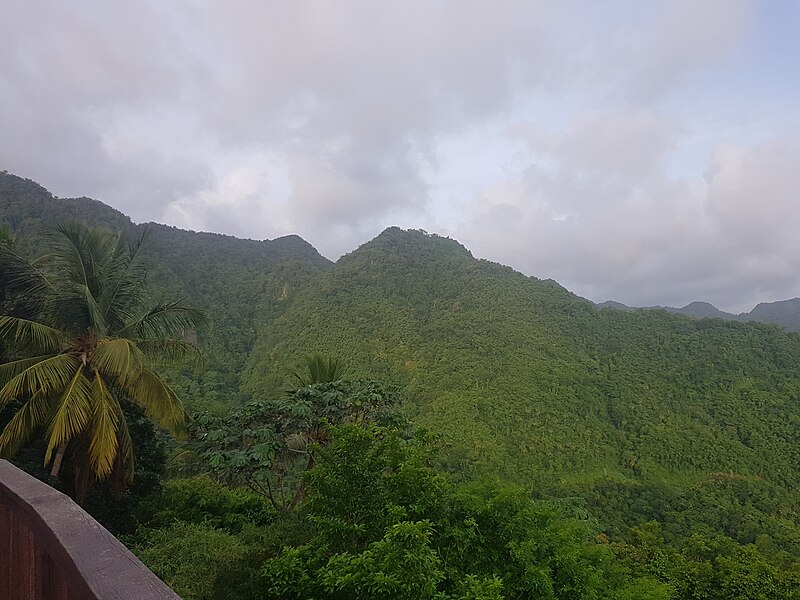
(702, 310)
(699, 310)
(525, 379)
(627, 417)
(616, 305)
(638, 413)
(239, 283)
(784, 312)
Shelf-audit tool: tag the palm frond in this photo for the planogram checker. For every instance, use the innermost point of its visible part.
(125, 444)
(69, 312)
(31, 335)
(48, 375)
(125, 274)
(318, 370)
(164, 320)
(13, 368)
(73, 414)
(24, 277)
(6, 235)
(68, 252)
(96, 318)
(159, 401)
(78, 255)
(33, 414)
(78, 250)
(172, 351)
(103, 445)
(118, 358)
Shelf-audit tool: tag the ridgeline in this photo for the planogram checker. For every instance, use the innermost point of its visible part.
(632, 416)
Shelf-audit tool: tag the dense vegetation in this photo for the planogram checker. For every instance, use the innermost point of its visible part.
(783, 312)
(639, 417)
(524, 379)
(531, 444)
(243, 284)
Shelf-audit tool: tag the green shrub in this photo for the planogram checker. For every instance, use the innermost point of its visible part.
(191, 558)
(205, 502)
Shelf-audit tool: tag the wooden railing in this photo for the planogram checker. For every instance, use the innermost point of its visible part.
(51, 549)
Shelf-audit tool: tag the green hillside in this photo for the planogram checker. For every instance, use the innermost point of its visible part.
(238, 283)
(674, 440)
(644, 415)
(525, 378)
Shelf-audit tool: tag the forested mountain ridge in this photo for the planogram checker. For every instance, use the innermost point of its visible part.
(239, 283)
(783, 312)
(517, 373)
(620, 418)
(645, 415)
(527, 378)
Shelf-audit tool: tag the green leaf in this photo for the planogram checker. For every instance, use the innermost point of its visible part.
(104, 443)
(73, 414)
(51, 374)
(30, 335)
(33, 414)
(164, 320)
(159, 401)
(118, 358)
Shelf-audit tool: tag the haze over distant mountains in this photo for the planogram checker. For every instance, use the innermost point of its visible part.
(782, 312)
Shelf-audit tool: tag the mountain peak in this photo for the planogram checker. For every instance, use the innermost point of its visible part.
(412, 244)
(703, 309)
(294, 245)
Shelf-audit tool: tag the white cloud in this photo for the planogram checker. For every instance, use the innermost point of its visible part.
(652, 239)
(567, 139)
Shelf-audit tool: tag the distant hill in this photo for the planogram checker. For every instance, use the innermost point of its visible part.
(784, 312)
(616, 305)
(242, 284)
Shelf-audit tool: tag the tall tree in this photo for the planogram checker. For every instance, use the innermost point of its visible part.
(87, 337)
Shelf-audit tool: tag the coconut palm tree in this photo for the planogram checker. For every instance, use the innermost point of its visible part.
(88, 337)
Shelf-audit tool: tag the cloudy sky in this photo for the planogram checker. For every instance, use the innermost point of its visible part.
(647, 152)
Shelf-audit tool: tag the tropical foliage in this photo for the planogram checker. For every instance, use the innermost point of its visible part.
(571, 451)
(268, 445)
(90, 337)
(381, 521)
(242, 284)
(318, 369)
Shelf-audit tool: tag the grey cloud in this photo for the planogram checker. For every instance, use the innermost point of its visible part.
(68, 70)
(673, 41)
(325, 119)
(629, 144)
(356, 91)
(729, 239)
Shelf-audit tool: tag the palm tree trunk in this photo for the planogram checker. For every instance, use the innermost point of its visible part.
(57, 460)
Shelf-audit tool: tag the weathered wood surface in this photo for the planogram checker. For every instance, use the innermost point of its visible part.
(51, 549)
